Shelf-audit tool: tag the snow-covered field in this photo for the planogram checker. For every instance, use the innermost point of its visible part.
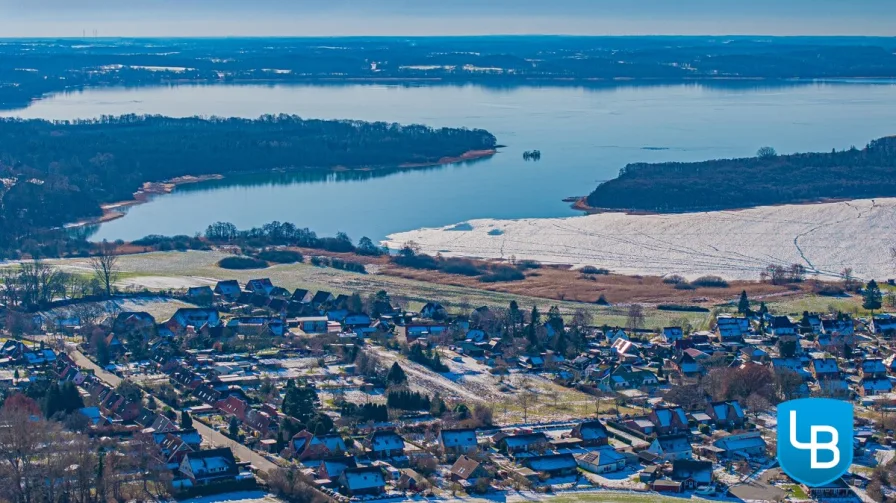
(825, 238)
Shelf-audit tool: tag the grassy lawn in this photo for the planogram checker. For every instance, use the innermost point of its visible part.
(162, 270)
(817, 303)
(615, 497)
(797, 492)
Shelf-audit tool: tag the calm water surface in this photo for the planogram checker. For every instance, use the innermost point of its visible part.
(585, 136)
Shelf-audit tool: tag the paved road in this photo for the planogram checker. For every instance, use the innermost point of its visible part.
(214, 438)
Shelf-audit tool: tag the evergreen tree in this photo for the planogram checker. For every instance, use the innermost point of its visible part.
(320, 424)
(102, 352)
(71, 398)
(872, 298)
(52, 401)
(396, 375)
(299, 402)
(186, 422)
(514, 316)
(743, 305)
(461, 412)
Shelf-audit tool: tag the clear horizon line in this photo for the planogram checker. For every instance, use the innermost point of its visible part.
(518, 35)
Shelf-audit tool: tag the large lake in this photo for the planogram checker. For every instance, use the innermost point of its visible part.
(585, 136)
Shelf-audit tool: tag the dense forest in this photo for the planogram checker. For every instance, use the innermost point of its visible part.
(765, 179)
(32, 68)
(52, 173)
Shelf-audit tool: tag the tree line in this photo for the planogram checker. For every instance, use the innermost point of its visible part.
(765, 179)
(57, 172)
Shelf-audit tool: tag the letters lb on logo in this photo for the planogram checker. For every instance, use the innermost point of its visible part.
(815, 439)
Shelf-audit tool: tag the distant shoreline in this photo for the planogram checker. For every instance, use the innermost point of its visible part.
(151, 189)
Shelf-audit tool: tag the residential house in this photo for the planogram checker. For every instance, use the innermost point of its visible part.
(671, 447)
(200, 293)
(731, 329)
(552, 465)
(687, 364)
(727, 414)
(842, 325)
(332, 468)
(836, 490)
(305, 445)
(322, 298)
(209, 466)
(781, 325)
(604, 460)
(128, 322)
(261, 286)
(410, 480)
(873, 378)
(410, 332)
(458, 442)
(692, 474)
(257, 325)
(522, 442)
(433, 310)
(669, 420)
(467, 470)
(362, 481)
(228, 289)
(312, 324)
(301, 296)
(672, 334)
(384, 444)
(355, 321)
(884, 324)
(193, 317)
(624, 377)
(742, 445)
(592, 433)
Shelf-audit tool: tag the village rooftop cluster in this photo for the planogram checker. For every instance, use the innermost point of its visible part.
(367, 400)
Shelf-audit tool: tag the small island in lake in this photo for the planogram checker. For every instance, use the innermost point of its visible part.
(767, 179)
(532, 155)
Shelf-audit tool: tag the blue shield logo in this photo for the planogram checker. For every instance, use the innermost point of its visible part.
(815, 439)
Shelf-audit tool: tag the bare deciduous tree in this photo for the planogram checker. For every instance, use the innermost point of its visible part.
(105, 266)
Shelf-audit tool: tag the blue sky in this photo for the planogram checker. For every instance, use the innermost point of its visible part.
(445, 17)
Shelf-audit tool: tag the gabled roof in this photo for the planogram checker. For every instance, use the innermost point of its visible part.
(363, 478)
(212, 462)
(321, 297)
(464, 467)
(674, 443)
(459, 438)
(825, 366)
(781, 322)
(590, 430)
(600, 457)
(385, 441)
(551, 462)
(667, 416)
(699, 471)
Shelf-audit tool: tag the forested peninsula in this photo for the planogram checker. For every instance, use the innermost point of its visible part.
(53, 173)
(766, 179)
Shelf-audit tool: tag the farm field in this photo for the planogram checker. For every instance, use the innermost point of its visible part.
(732, 244)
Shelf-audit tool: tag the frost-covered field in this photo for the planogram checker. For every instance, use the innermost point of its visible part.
(825, 238)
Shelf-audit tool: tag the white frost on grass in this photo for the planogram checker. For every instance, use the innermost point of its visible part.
(825, 238)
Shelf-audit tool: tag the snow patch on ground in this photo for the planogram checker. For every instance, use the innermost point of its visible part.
(825, 238)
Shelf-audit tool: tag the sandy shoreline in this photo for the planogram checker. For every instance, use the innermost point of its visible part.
(150, 189)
